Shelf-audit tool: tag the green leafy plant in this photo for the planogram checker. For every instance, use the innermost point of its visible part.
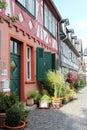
(13, 18)
(2, 102)
(13, 116)
(45, 98)
(32, 94)
(45, 92)
(7, 101)
(80, 83)
(3, 4)
(56, 81)
(24, 112)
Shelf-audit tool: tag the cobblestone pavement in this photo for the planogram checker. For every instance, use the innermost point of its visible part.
(72, 116)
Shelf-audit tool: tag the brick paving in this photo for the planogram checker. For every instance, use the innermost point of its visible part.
(72, 116)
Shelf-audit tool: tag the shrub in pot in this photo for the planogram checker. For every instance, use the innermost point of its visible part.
(2, 109)
(14, 119)
(2, 102)
(5, 103)
(24, 112)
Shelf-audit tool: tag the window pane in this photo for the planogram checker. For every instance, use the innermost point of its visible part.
(15, 47)
(29, 5)
(49, 21)
(28, 63)
(54, 26)
(28, 70)
(28, 53)
(18, 48)
(46, 17)
(22, 2)
(11, 46)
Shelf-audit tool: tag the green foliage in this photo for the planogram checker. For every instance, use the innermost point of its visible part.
(16, 114)
(80, 83)
(13, 116)
(32, 94)
(13, 18)
(24, 112)
(7, 101)
(45, 98)
(2, 102)
(45, 92)
(11, 100)
(3, 4)
(35, 95)
(55, 81)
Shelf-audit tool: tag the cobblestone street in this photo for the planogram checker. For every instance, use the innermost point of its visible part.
(72, 116)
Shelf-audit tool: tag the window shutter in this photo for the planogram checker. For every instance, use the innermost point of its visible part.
(53, 62)
(40, 64)
(48, 61)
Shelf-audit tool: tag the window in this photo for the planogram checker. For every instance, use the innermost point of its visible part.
(65, 50)
(49, 21)
(28, 63)
(15, 47)
(29, 5)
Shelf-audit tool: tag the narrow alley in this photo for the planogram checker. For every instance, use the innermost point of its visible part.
(72, 116)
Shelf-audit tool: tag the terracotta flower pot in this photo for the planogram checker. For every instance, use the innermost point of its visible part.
(2, 120)
(30, 102)
(15, 128)
(60, 102)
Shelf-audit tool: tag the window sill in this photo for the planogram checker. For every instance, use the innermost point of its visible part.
(30, 82)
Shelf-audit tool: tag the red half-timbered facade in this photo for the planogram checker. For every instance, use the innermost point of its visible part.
(29, 46)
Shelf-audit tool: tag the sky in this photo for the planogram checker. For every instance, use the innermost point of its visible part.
(76, 12)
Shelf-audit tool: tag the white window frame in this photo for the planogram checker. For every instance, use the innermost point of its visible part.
(28, 63)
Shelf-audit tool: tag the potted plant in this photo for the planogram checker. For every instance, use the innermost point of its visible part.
(31, 96)
(5, 103)
(2, 109)
(56, 80)
(45, 101)
(14, 119)
(24, 112)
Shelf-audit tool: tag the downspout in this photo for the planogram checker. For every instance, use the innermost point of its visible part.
(59, 45)
(65, 38)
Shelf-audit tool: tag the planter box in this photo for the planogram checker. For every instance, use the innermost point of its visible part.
(43, 105)
(56, 104)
